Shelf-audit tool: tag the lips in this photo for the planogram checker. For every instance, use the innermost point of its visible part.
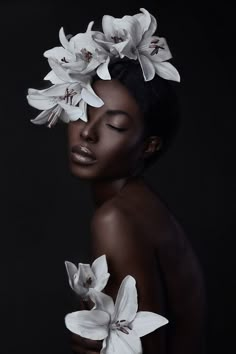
(82, 154)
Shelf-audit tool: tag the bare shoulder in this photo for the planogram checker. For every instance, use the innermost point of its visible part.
(115, 231)
(112, 216)
(116, 234)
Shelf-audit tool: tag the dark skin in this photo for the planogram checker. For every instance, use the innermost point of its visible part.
(133, 227)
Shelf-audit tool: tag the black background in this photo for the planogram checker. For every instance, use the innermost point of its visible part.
(45, 212)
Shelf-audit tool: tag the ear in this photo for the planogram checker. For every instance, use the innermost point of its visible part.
(152, 145)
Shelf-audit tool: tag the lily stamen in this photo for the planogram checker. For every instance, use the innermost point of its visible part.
(117, 39)
(64, 60)
(88, 283)
(52, 119)
(87, 56)
(155, 46)
(69, 95)
(121, 327)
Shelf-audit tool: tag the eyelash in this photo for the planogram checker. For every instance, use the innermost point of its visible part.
(118, 129)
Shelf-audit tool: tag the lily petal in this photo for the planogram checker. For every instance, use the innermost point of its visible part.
(89, 96)
(88, 324)
(102, 282)
(77, 66)
(51, 76)
(83, 107)
(59, 71)
(102, 70)
(71, 112)
(64, 41)
(86, 276)
(76, 99)
(107, 26)
(66, 119)
(60, 53)
(118, 342)
(84, 40)
(147, 67)
(152, 26)
(99, 266)
(146, 322)
(71, 271)
(55, 90)
(126, 48)
(102, 301)
(108, 46)
(40, 102)
(144, 19)
(104, 345)
(126, 302)
(167, 71)
(132, 26)
(90, 25)
(111, 344)
(130, 343)
(163, 53)
(42, 118)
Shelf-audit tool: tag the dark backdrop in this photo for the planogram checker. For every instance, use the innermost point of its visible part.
(45, 212)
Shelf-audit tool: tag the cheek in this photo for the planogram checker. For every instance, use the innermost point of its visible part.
(120, 150)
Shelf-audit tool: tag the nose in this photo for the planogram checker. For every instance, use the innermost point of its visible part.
(89, 132)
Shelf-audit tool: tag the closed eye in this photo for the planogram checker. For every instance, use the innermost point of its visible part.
(116, 128)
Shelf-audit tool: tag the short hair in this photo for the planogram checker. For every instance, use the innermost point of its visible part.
(156, 98)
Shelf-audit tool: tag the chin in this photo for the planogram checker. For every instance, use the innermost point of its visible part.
(82, 172)
(93, 173)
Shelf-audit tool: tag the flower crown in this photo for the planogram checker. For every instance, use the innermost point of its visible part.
(84, 55)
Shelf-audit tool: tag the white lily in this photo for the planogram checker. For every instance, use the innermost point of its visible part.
(132, 36)
(65, 54)
(60, 101)
(84, 278)
(121, 35)
(120, 326)
(153, 51)
(81, 54)
(59, 75)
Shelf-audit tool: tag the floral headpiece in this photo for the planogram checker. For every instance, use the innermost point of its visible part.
(84, 55)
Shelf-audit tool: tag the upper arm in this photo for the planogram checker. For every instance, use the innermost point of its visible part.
(129, 253)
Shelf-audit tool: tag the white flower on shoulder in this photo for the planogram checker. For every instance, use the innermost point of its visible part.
(81, 54)
(86, 277)
(120, 326)
(153, 51)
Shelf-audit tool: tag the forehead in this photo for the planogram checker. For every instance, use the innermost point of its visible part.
(117, 97)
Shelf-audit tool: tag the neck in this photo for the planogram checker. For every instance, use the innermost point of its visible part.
(104, 190)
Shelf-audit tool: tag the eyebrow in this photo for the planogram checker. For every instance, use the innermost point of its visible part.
(113, 112)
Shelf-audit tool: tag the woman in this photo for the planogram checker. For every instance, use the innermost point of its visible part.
(131, 225)
(131, 117)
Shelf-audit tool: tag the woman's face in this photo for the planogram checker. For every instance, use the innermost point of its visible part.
(110, 144)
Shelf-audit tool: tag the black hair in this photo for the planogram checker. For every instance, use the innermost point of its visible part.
(156, 98)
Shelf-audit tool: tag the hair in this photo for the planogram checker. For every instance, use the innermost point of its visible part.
(156, 98)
